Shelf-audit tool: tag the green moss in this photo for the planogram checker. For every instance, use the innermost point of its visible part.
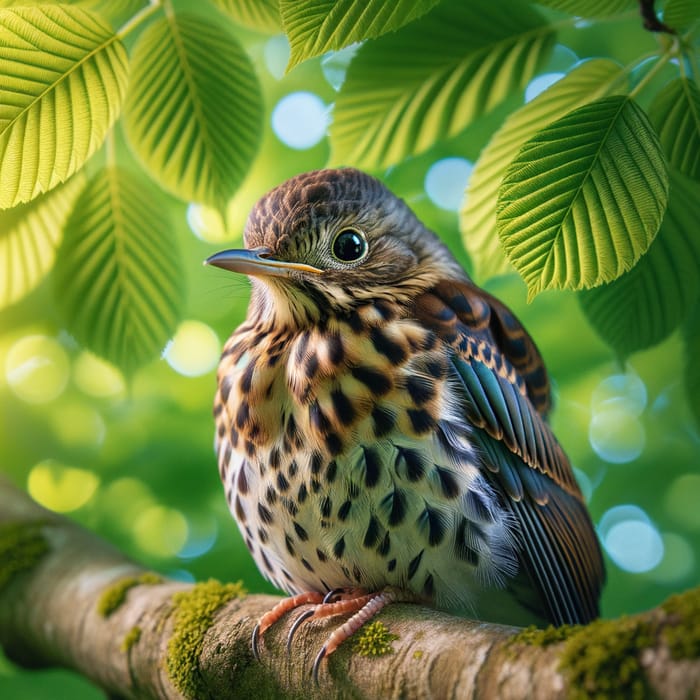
(193, 616)
(115, 595)
(22, 545)
(374, 640)
(538, 637)
(682, 628)
(131, 637)
(602, 659)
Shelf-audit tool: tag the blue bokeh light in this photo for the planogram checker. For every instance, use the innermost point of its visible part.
(300, 120)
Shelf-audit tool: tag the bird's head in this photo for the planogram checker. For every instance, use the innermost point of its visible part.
(328, 241)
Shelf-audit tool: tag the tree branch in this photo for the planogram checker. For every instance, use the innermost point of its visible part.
(64, 609)
(649, 19)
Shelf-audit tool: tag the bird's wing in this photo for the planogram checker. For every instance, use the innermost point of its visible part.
(506, 394)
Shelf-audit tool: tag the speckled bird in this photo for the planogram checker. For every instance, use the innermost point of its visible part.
(381, 423)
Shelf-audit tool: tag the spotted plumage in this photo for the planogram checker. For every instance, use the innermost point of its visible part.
(381, 420)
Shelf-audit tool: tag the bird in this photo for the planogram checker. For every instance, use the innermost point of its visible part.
(381, 424)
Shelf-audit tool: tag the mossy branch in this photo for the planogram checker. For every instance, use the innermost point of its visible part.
(69, 599)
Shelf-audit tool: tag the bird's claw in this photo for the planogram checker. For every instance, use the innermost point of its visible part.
(277, 612)
(296, 624)
(254, 642)
(317, 664)
(328, 598)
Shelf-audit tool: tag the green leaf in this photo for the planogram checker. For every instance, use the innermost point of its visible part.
(193, 113)
(591, 8)
(680, 14)
(675, 113)
(116, 11)
(21, 3)
(64, 74)
(29, 236)
(584, 197)
(118, 273)
(431, 79)
(643, 306)
(262, 15)
(692, 362)
(317, 26)
(588, 80)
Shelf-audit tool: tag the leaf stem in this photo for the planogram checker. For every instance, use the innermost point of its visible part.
(664, 58)
(689, 55)
(629, 68)
(694, 67)
(141, 16)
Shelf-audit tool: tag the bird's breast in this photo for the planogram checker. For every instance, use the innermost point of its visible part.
(346, 459)
(331, 386)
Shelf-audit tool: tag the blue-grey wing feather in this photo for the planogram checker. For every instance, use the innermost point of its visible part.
(505, 394)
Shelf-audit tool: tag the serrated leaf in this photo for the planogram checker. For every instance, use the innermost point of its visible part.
(317, 26)
(114, 10)
(591, 8)
(64, 74)
(29, 236)
(692, 362)
(118, 273)
(675, 113)
(584, 197)
(586, 81)
(643, 306)
(431, 79)
(680, 14)
(193, 113)
(262, 15)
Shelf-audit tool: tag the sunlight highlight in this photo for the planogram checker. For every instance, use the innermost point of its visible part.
(335, 65)
(202, 534)
(37, 368)
(300, 120)
(122, 500)
(631, 539)
(615, 432)
(540, 84)
(194, 350)
(276, 54)
(160, 531)
(97, 377)
(207, 224)
(446, 181)
(61, 488)
(627, 391)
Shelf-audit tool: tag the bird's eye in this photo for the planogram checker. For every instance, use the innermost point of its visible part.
(349, 246)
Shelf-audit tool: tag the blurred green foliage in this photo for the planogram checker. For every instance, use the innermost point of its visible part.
(131, 458)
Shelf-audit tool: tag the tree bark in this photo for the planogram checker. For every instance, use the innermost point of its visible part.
(50, 616)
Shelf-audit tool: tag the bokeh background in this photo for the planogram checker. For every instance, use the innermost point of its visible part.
(134, 462)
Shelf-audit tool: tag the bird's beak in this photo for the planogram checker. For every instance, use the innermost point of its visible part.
(257, 262)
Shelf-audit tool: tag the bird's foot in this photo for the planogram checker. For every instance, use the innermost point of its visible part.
(362, 606)
(271, 616)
